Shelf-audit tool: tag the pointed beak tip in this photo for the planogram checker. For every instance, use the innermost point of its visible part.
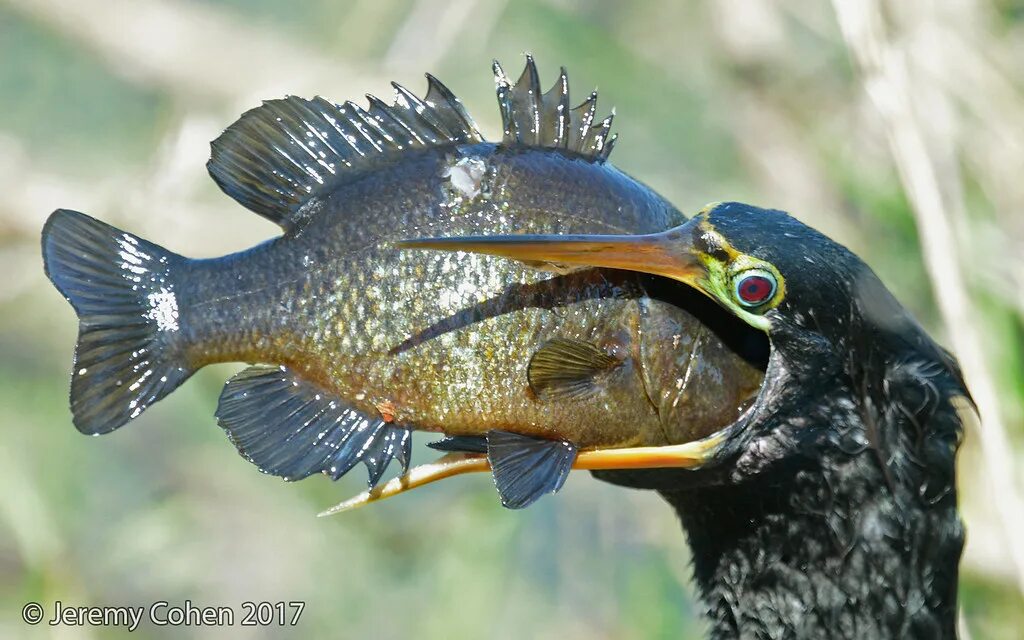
(413, 243)
(437, 244)
(336, 509)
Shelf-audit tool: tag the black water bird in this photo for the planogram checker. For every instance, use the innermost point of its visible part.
(829, 509)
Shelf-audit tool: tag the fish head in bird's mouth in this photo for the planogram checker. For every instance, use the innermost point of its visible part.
(772, 290)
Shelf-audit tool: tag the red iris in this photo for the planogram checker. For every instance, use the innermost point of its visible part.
(755, 289)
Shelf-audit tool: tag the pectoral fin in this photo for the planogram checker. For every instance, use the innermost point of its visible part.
(564, 368)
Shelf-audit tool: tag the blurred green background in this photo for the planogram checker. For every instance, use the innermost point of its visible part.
(108, 107)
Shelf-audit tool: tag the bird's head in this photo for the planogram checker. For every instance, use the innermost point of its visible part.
(827, 316)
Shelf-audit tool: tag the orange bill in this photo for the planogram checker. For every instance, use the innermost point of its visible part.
(668, 254)
(681, 456)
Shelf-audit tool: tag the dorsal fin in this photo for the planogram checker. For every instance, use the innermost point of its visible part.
(545, 120)
(279, 155)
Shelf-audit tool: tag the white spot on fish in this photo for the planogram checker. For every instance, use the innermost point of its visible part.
(163, 309)
(466, 176)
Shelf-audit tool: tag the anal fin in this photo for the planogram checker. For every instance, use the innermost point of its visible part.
(525, 468)
(290, 427)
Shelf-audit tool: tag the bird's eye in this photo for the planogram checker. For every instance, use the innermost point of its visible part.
(754, 287)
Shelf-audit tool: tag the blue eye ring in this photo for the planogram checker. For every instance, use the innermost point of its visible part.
(754, 287)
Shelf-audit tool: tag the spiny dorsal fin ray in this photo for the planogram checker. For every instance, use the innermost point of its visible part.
(545, 120)
(525, 468)
(555, 113)
(289, 427)
(279, 155)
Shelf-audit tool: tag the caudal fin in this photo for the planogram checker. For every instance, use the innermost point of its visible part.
(129, 339)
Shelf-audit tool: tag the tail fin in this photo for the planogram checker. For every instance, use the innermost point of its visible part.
(129, 337)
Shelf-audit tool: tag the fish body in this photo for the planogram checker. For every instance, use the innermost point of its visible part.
(360, 341)
(444, 342)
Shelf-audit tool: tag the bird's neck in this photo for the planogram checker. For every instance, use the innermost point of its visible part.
(822, 552)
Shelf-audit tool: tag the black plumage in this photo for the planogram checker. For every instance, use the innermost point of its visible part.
(831, 511)
(828, 509)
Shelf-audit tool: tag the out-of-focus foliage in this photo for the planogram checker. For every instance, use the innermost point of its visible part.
(108, 107)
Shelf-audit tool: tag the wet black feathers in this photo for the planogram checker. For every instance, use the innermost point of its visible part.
(834, 512)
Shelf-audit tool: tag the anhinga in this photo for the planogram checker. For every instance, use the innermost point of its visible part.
(829, 508)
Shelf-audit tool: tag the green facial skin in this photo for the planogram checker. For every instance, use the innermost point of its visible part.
(441, 341)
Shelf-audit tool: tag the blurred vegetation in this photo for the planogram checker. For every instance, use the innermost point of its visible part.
(108, 107)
